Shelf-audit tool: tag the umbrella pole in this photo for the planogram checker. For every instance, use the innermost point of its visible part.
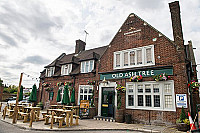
(15, 109)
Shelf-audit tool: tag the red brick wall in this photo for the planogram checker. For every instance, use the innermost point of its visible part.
(169, 56)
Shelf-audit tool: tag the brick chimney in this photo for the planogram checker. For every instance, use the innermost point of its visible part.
(176, 22)
(80, 46)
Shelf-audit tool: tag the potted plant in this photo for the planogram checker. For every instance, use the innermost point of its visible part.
(40, 104)
(119, 112)
(183, 123)
(161, 77)
(136, 78)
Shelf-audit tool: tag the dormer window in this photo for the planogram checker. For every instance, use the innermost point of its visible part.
(87, 66)
(50, 71)
(66, 69)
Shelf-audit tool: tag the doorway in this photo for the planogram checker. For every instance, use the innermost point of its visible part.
(108, 101)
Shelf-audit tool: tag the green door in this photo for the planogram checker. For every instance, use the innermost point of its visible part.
(108, 102)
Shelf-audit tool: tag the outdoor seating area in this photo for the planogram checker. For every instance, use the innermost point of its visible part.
(55, 114)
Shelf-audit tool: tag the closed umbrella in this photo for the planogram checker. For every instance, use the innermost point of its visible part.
(33, 96)
(21, 93)
(65, 99)
(58, 98)
(73, 96)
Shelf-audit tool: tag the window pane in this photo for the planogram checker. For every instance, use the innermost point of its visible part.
(90, 90)
(140, 88)
(130, 100)
(148, 55)
(86, 66)
(89, 97)
(139, 56)
(85, 97)
(156, 88)
(148, 100)
(167, 88)
(156, 100)
(168, 101)
(132, 58)
(130, 88)
(83, 67)
(81, 90)
(81, 97)
(85, 90)
(126, 59)
(140, 100)
(91, 65)
(117, 60)
(148, 88)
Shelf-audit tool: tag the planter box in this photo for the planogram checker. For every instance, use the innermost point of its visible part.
(92, 112)
(119, 115)
(182, 127)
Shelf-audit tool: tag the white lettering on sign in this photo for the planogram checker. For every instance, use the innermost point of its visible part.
(130, 74)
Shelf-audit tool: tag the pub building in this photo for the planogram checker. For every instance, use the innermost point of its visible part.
(151, 70)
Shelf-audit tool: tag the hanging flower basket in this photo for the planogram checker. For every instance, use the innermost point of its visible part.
(60, 84)
(136, 78)
(68, 83)
(120, 88)
(49, 89)
(161, 77)
(91, 82)
(194, 86)
(45, 84)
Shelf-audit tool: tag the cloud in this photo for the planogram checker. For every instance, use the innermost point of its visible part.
(8, 40)
(35, 60)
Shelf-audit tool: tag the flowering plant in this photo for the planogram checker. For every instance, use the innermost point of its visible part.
(136, 78)
(91, 82)
(194, 86)
(45, 84)
(68, 83)
(60, 83)
(160, 77)
(120, 88)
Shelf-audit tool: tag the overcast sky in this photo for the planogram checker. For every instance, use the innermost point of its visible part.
(35, 32)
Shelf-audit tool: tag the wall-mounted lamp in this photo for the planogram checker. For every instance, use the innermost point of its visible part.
(105, 82)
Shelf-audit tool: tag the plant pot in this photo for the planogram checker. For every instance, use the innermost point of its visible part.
(119, 115)
(92, 112)
(182, 127)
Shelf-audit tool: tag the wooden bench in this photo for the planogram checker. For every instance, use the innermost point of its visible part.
(60, 120)
(25, 116)
(43, 114)
(76, 118)
(11, 112)
(47, 119)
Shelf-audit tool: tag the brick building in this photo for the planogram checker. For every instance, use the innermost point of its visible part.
(137, 49)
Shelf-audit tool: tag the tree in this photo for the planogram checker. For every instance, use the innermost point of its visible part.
(1, 82)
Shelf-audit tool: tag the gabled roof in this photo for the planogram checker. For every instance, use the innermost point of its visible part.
(56, 62)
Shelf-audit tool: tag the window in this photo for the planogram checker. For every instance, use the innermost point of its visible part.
(141, 56)
(85, 92)
(151, 95)
(66, 69)
(50, 71)
(51, 95)
(87, 66)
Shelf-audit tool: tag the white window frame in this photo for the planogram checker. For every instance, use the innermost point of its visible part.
(161, 93)
(144, 60)
(83, 66)
(87, 94)
(63, 69)
(50, 71)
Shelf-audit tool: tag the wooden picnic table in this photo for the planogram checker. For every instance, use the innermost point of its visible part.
(75, 108)
(59, 112)
(35, 110)
(56, 106)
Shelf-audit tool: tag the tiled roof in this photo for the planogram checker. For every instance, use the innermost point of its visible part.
(95, 53)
